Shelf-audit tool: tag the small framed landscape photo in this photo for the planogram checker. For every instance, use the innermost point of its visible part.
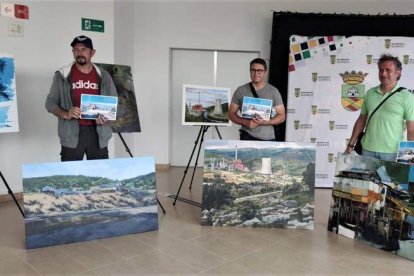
(406, 152)
(256, 108)
(204, 105)
(94, 105)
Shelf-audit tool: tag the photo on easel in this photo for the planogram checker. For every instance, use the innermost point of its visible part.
(205, 105)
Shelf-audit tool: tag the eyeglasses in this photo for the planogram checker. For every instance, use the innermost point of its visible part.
(257, 71)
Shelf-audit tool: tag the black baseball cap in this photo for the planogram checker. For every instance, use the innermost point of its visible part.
(84, 40)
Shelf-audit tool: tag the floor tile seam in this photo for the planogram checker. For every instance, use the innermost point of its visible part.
(141, 254)
(205, 250)
(255, 251)
(187, 239)
(188, 242)
(74, 259)
(83, 265)
(264, 239)
(32, 267)
(198, 237)
(13, 255)
(265, 247)
(249, 249)
(111, 251)
(232, 259)
(270, 243)
(179, 261)
(98, 242)
(133, 239)
(214, 267)
(148, 244)
(209, 251)
(94, 270)
(22, 258)
(163, 247)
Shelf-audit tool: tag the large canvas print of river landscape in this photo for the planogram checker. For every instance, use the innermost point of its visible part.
(68, 202)
(258, 184)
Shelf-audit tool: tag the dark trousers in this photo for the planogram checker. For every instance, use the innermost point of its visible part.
(88, 144)
(244, 135)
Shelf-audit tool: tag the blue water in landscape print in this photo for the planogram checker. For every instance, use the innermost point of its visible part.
(6, 79)
(4, 117)
(69, 228)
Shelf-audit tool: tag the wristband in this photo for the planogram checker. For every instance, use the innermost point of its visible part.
(351, 146)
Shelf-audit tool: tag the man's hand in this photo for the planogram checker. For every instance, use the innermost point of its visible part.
(73, 113)
(259, 121)
(252, 123)
(348, 150)
(101, 120)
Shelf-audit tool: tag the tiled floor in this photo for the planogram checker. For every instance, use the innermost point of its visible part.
(182, 246)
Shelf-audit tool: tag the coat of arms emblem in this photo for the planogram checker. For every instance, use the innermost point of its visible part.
(353, 90)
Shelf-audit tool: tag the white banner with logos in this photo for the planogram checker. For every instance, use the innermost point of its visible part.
(328, 78)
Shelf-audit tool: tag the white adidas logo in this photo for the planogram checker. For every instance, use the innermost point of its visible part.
(84, 85)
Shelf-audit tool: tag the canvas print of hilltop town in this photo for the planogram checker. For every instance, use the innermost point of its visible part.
(76, 201)
(203, 105)
(258, 184)
(373, 202)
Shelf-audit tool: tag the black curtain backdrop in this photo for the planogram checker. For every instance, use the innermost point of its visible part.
(286, 24)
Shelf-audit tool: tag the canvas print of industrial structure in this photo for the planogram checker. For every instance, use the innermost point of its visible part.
(76, 201)
(127, 113)
(203, 105)
(8, 101)
(258, 184)
(373, 202)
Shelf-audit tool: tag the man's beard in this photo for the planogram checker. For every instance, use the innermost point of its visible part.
(81, 60)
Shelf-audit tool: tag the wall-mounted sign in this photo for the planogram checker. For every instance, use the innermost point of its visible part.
(93, 25)
(14, 10)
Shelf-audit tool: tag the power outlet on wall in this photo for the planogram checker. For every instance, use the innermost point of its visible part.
(15, 28)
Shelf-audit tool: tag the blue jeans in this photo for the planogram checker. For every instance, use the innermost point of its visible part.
(380, 155)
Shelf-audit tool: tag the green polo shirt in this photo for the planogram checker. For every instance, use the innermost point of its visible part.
(385, 129)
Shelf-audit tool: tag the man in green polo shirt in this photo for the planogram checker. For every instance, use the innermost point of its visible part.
(386, 127)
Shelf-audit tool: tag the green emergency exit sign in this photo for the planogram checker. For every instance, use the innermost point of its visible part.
(93, 25)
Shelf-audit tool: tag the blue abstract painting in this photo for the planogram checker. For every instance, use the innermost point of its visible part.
(8, 102)
(68, 202)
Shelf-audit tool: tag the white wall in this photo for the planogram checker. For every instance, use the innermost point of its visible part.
(124, 55)
(44, 48)
(222, 25)
(140, 34)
